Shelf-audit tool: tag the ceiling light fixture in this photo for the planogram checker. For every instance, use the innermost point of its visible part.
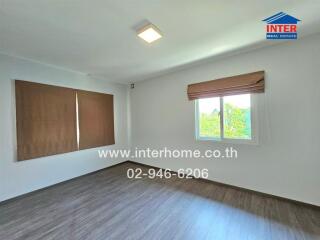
(149, 33)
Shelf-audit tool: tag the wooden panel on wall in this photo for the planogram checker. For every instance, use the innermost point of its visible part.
(96, 120)
(46, 120)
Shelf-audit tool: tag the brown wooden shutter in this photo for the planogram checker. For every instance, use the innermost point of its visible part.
(46, 120)
(240, 84)
(96, 123)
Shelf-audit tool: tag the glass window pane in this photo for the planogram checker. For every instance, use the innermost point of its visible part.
(209, 117)
(237, 116)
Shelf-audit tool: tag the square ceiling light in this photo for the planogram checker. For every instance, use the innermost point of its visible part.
(149, 33)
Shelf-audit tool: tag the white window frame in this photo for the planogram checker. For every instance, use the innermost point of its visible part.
(254, 125)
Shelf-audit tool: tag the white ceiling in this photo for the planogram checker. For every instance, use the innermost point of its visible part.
(98, 37)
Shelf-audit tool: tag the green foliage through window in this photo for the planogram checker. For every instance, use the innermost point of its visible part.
(236, 117)
(210, 125)
(237, 122)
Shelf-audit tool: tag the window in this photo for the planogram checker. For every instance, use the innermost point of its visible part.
(228, 118)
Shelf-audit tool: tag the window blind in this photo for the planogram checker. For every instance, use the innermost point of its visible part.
(45, 120)
(240, 84)
(96, 120)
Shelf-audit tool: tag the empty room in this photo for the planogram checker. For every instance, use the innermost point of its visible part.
(158, 119)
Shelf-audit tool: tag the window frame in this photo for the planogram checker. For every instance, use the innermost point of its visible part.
(222, 139)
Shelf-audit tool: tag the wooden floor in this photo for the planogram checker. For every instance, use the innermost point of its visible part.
(108, 205)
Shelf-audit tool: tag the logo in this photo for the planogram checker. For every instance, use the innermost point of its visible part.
(281, 26)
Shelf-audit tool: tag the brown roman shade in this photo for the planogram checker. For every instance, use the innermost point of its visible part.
(46, 120)
(96, 124)
(240, 84)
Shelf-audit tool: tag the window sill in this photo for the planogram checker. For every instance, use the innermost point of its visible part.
(229, 141)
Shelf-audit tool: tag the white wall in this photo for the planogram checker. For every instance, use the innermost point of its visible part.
(287, 160)
(17, 178)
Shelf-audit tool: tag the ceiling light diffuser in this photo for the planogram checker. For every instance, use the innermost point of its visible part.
(149, 33)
